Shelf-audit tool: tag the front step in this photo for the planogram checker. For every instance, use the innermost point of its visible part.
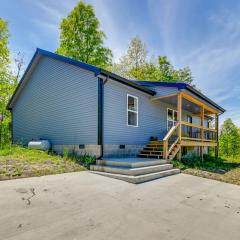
(134, 170)
(131, 171)
(131, 163)
(141, 178)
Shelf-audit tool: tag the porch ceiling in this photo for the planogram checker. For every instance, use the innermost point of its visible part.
(186, 105)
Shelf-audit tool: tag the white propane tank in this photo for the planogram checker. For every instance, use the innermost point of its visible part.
(41, 145)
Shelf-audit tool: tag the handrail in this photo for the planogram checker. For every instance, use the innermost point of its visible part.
(167, 149)
(173, 128)
(198, 126)
(191, 124)
(166, 138)
(198, 139)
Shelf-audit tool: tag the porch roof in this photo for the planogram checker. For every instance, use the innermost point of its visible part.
(180, 86)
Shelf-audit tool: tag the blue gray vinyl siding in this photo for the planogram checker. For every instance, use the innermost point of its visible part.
(58, 103)
(164, 91)
(152, 116)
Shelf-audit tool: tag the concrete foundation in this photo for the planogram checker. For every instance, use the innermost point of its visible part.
(91, 149)
(120, 151)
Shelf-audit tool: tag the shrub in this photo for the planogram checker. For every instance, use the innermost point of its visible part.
(191, 159)
(86, 160)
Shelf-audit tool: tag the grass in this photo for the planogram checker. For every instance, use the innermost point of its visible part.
(223, 169)
(19, 162)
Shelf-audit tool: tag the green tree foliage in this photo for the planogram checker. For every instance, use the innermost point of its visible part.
(229, 140)
(8, 82)
(135, 65)
(81, 38)
(5, 82)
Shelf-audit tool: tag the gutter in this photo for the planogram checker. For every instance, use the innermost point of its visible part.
(107, 74)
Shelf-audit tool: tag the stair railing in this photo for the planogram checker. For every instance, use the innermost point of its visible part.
(170, 140)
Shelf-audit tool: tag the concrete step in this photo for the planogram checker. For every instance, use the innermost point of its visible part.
(140, 178)
(131, 163)
(131, 171)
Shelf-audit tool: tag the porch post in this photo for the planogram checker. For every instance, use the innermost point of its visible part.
(202, 131)
(217, 129)
(179, 115)
(179, 118)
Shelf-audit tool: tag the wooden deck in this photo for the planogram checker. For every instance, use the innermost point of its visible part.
(186, 134)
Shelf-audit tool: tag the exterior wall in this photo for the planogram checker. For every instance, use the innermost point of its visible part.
(152, 116)
(163, 91)
(59, 103)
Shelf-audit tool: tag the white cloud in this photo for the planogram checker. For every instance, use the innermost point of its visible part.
(213, 61)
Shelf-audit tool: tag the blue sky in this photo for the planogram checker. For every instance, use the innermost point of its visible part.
(201, 34)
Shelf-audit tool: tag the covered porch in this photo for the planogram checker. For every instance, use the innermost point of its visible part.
(191, 122)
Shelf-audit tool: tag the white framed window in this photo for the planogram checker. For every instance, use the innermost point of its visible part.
(171, 118)
(132, 111)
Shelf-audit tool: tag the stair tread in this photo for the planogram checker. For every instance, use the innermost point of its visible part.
(151, 151)
(124, 160)
(134, 168)
(160, 155)
(138, 162)
(140, 178)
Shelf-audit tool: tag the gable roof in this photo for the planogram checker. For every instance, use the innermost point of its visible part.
(144, 86)
(96, 70)
(180, 86)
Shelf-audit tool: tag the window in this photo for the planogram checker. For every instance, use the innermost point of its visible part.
(171, 118)
(132, 111)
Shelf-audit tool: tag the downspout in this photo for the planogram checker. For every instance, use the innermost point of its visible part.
(101, 82)
(100, 115)
(11, 126)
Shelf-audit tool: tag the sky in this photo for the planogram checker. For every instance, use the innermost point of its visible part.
(201, 34)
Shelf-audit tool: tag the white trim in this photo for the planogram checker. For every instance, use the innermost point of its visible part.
(174, 122)
(129, 110)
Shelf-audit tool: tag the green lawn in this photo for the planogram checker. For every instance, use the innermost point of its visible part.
(19, 162)
(222, 169)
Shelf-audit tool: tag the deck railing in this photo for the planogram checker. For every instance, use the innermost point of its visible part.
(196, 132)
(170, 140)
(187, 132)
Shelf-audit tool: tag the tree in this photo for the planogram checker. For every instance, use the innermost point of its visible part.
(81, 39)
(131, 64)
(5, 78)
(169, 74)
(19, 63)
(136, 53)
(135, 65)
(229, 140)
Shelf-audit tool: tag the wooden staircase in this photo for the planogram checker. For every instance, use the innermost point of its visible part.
(172, 143)
(166, 149)
(174, 152)
(152, 150)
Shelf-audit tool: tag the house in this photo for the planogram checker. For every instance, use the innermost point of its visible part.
(78, 106)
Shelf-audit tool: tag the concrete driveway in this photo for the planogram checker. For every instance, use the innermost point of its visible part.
(88, 206)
